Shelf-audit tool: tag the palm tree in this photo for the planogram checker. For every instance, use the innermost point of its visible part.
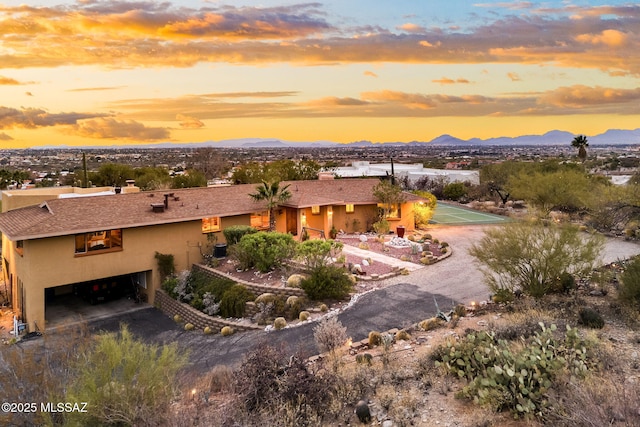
(274, 195)
(580, 142)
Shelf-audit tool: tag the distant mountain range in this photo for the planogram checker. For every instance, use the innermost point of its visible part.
(555, 137)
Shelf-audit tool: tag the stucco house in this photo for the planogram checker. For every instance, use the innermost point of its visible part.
(59, 242)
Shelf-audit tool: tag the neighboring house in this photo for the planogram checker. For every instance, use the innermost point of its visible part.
(49, 247)
(413, 172)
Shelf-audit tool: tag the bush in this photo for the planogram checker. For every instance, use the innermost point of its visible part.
(304, 316)
(166, 265)
(234, 300)
(265, 251)
(454, 191)
(207, 330)
(629, 292)
(330, 334)
(125, 381)
(590, 318)
(234, 233)
(515, 380)
(317, 253)
(169, 286)
(189, 327)
(327, 282)
(381, 227)
(279, 323)
(402, 335)
(294, 280)
(226, 331)
(375, 339)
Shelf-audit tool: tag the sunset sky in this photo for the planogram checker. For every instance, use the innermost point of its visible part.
(93, 72)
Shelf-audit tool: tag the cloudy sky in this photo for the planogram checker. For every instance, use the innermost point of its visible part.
(105, 72)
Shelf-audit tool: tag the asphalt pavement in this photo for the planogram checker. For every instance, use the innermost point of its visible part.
(404, 301)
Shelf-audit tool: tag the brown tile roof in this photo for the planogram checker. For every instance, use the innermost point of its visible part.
(60, 217)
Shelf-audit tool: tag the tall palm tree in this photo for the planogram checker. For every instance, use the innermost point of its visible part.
(274, 196)
(580, 142)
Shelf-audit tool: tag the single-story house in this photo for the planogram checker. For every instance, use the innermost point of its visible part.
(50, 247)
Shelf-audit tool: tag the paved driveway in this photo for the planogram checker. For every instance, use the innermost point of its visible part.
(407, 300)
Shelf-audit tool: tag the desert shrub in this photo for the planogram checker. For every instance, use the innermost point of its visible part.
(234, 300)
(317, 253)
(169, 286)
(329, 334)
(125, 381)
(189, 327)
(430, 323)
(226, 331)
(177, 318)
(564, 283)
(220, 379)
(403, 335)
(454, 191)
(505, 378)
(207, 330)
(294, 280)
(303, 316)
(327, 282)
(590, 318)
(502, 296)
(323, 308)
(629, 292)
(375, 339)
(381, 227)
(268, 375)
(234, 233)
(264, 250)
(279, 323)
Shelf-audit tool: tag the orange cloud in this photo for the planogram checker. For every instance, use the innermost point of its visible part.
(448, 81)
(514, 77)
(411, 100)
(8, 81)
(189, 122)
(31, 118)
(110, 128)
(92, 89)
(5, 137)
(611, 38)
(412, 28)
(579, 96)
(370, 74)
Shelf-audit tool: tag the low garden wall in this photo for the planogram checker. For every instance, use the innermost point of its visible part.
(253, 287)
(198, 319)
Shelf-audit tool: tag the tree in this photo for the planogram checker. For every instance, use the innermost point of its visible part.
(580, 142)
(112, 174)
(388, 195)
(531, 256)
(274, 196)
(191, 178)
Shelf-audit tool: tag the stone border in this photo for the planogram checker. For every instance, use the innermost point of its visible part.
(198, 319)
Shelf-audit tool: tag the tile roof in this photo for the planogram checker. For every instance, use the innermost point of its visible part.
(60, 217)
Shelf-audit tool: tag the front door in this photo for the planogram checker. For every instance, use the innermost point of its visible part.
(292, 221)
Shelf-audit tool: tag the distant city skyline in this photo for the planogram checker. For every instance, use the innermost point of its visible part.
(110, 72)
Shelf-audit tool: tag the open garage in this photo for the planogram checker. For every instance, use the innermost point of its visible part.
(85, 301)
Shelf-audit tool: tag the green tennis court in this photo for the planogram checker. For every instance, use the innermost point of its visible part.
(453, 215)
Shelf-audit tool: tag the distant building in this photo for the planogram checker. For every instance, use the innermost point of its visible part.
(413, 172)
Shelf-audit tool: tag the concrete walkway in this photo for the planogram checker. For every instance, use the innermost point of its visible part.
(381, 258)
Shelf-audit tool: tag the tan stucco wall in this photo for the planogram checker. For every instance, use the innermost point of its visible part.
(52, 261)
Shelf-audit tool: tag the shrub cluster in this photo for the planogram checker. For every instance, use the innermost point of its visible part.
(515, 380)
(265, 251)
(234, 233)
(211, 295)
(327, 282)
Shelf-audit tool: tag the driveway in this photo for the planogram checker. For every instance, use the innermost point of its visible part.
(407, 299)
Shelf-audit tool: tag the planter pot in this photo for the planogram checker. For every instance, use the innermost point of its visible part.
(400, 231)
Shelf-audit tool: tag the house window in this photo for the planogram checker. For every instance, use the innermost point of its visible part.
(393, 210)
(20, 247)
(105, 240)
(315, 210)
(350, 208)
(210, 224)
(260, 219)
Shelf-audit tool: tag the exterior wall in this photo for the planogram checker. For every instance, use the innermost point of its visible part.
(52, 262)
